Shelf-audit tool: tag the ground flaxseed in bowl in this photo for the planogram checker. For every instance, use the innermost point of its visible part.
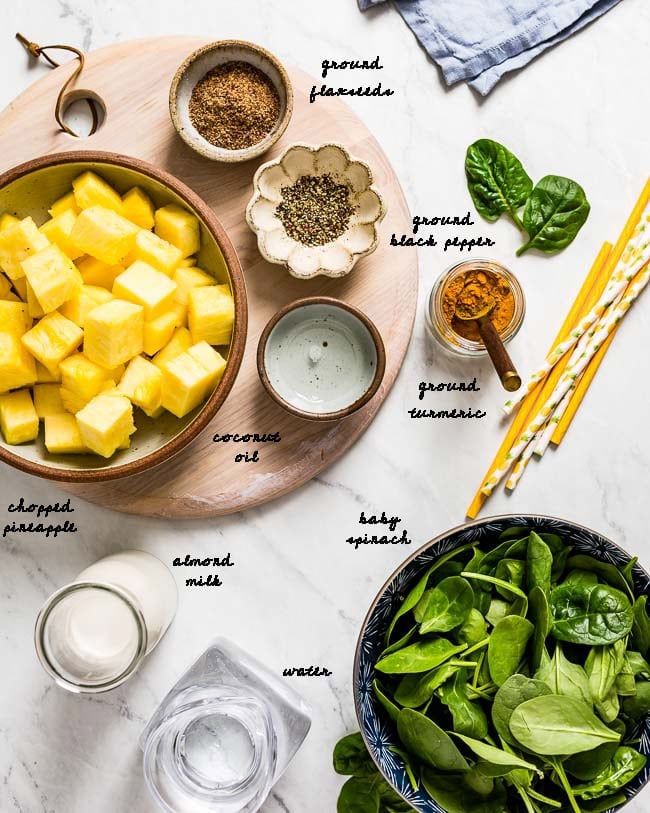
(234, 106)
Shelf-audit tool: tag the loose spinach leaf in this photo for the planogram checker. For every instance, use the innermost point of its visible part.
(595, 615)
(421, 656)
(469, 718)
(566, 678)
(498, 609)
(351, 757)
(609, 708)
(540, 615)
(558, 725)
(641, 627)
(625, 765)
(507, 647)
(496, 756)
(444, 607)
(582, 578)
(428, 742)
(638, 706)
(391, 709)
(473, 630)
(605, 804)
(454, 795)
(515, 691)
(555, 212)
(512, 571)
(589, 764)
(402, 642)
(625, 685)
(539, 564)
(640, 666)
(415, 594)
(414, 691)
(496, 180)
(608, 573)
(359, 795)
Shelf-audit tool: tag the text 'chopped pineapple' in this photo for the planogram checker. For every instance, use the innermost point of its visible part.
(104, 312)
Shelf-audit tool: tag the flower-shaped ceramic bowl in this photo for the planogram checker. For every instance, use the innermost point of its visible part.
(377, 729)
(338, 257)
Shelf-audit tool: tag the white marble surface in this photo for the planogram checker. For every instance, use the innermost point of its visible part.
(298, 593)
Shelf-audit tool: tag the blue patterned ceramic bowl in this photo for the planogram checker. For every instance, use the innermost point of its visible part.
(376, 728)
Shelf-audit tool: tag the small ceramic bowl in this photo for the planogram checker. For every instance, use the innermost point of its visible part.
(321, 359)
(195, 67)
(377, 729)
(29, 189)
(334, 259)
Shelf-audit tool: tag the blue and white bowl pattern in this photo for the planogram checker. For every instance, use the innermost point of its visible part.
(377, 729)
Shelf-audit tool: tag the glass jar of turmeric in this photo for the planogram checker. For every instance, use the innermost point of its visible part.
(484, 280)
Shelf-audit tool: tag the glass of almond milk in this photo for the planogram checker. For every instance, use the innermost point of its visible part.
(92, 634)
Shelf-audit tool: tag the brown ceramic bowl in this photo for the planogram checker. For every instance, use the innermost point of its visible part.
(321, 359)
(29, 189)
(195, 67)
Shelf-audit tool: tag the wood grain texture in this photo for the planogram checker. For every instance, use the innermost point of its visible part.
(132, 80)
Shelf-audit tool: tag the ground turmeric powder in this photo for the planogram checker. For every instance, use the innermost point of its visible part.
(474, 289)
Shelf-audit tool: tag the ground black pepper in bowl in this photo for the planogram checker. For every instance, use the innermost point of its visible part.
(234, 106)
(315, 209)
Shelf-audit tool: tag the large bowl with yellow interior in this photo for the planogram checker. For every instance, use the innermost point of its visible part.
(30, 189)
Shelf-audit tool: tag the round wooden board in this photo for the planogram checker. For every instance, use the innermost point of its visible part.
(132, 80)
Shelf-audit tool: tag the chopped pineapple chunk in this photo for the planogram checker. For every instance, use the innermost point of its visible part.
(67, 203)
(62, 435)
(211, 314)
(52, 339)
(180, 312)
(58, 229)
(47, 400)
(14, 317)
(158, 332)
(142, 385)
(106, 422)
(7, 219)
(179, 343)
(33, 307)
(18, 241)
(20, 285)
(44, 376)
(160, 254)
(18, 418)
(81, 376)
(143, 285)
(52, 276)
(210, 359)
(138, 208)
(178, 227)
(83, 301)
(95, 272)
(17, 368)
(185, 383)
(114, 333)
(187, 278)
(91, 190)
(103, 234)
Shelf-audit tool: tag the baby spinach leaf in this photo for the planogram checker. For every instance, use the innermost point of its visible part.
(479, 781)
(359, 795)
(454, 795)
(351, 757)
(391, 709)
(640, 666)
(402, 642)
(605, 804)
(627, 571)
(595, 615)
(419, 657)
(515, 691)
(444, 607)
(469, 718)
(428, 742)
(414, 691)
(473, 630)
(641, 627)
(555, 212)
(540, 615)
(587, 765)
(539, 564)
(558, 725)
(496, 756)
(625, 685)
(625, 765)
(564, 677)
(582, 578)
(496, 180)
(415, 594)
(638, 706)
(609, 708)
(507, 647)
(498, 609)
(512, 571)
(608, 573)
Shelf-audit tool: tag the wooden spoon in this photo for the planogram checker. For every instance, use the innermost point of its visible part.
(496, 349)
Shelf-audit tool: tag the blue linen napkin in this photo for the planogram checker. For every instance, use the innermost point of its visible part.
(478, 41)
